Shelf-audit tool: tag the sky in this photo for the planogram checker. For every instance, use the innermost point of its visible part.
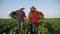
(50, 8)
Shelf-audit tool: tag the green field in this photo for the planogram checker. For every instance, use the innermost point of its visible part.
(46, 26)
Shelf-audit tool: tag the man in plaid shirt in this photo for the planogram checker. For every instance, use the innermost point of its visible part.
(20, 15)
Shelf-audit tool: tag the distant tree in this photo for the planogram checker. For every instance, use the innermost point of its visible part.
(13, 14)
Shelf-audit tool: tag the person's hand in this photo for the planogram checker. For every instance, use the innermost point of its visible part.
(30, 23)
(25, 18)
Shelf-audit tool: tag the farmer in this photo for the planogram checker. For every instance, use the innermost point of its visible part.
(33, 18)
(20, 15)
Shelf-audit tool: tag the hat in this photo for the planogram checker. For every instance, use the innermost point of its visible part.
(21, 7)
(33, 7)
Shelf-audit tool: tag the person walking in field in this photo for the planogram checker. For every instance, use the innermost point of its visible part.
(34, 16)
(20, 15)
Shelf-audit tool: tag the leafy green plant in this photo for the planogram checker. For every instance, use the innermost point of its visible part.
(13, 14)
(47, 26)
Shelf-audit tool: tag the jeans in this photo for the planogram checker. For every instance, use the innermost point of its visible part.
(20, 25)
(34, 28)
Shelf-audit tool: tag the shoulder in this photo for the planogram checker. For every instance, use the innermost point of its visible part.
(38, 11)
(17, 10)
(23, 11)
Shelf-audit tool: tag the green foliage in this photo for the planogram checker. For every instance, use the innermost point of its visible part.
(47, 26)
(13, 14)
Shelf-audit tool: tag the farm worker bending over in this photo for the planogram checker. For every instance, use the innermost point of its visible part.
(33, 16)
(20, 15)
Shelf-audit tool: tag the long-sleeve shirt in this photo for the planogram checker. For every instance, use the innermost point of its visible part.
(20, 15)
(34, 19)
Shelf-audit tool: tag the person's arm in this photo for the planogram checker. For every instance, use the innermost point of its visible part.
(29, 15)
(24, 14)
